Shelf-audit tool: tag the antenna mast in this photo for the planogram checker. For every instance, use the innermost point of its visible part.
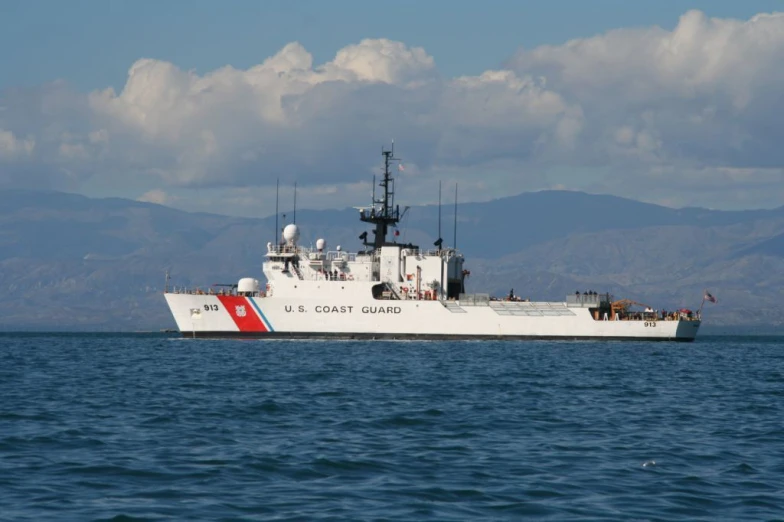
(439, 242)
(295, 202)
(439, 212)
(383, 213)
(277, 193)
(454, 241)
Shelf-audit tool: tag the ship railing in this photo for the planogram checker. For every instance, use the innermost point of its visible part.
(474, 299)
(433, 252)
(313, 254)
(339, 255)
(585, 299)
(389, 292)
(200, 291)
(283, 250)
(325, 275)
(655, 316)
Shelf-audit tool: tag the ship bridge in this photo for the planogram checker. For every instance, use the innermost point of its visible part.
(405, 271)
(391, 270)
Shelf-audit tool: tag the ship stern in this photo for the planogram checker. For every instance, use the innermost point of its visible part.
(687, 330)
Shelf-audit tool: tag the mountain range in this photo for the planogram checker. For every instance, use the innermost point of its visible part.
(69, 262)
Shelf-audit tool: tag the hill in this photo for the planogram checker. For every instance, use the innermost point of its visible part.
(69, 262)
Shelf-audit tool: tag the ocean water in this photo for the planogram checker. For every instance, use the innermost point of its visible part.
(150, 427)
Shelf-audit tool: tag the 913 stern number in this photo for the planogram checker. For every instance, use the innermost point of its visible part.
(650, 324)
(211, 307)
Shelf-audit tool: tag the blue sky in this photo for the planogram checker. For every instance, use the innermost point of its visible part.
(91, 43)
(202, 105)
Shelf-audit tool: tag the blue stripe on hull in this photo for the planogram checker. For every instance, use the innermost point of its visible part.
(261, 314)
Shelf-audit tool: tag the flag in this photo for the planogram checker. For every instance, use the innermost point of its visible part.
(400, 167)
(709, 297)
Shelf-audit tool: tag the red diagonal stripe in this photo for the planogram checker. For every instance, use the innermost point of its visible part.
(235, 306)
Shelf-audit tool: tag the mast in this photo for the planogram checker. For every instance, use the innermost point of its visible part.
(383, 213)
(438, 244)
(277, 231)
(439, 214)
(295, 203)
(454, 240)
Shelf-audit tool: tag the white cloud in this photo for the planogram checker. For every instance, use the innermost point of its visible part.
(12, 147)
(644, 112)
(382, 61)
(154, 196)
(701, 93)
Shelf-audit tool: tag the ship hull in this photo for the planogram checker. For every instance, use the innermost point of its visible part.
(327, 317)
(416, 337)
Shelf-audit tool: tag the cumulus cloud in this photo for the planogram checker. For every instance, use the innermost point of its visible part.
(12, 147)
(154, 196)
(687, 115)
(702, 92)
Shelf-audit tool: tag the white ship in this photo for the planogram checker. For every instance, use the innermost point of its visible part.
(399, 291)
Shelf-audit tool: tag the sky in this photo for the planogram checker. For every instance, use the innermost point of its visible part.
(203, 105)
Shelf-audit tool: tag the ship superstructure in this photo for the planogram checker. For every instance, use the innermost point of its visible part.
(391, 290)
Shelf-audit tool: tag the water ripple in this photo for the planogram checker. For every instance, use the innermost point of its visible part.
(129, 428)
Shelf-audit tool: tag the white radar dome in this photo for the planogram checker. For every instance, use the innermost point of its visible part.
(291, 233)
(248, 284)
(321, 244)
